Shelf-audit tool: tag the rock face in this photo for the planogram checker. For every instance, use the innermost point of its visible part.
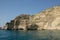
(47, 19)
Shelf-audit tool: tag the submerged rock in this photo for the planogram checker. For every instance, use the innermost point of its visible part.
(47, 19)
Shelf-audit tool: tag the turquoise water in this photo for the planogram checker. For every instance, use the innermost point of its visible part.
(29, 35)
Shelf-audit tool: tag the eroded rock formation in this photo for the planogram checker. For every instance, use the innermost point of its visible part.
(47, 19)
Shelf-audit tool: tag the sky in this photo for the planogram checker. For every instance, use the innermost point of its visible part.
(9, 9)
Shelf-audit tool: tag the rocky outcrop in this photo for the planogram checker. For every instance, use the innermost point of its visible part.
(47, 19)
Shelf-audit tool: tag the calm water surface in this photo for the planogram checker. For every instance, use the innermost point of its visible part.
(29, 35)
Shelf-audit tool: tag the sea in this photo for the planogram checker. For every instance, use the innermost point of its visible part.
(30, 35)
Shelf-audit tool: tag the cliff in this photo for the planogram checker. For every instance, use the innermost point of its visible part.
(47, 19)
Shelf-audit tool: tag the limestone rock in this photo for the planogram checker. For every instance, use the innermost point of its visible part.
(47, 19)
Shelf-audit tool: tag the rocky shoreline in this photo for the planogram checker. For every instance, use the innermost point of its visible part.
(47, 19)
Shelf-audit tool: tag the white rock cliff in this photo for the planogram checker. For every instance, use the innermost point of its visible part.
(47, 19)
